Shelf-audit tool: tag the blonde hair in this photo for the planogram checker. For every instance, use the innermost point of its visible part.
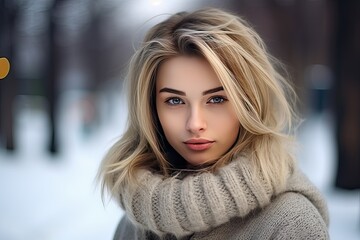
(261, 97)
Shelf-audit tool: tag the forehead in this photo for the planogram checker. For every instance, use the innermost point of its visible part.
(186, 72)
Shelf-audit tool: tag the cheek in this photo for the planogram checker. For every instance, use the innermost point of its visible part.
(224, 117)
(170, 122)
(226, 124)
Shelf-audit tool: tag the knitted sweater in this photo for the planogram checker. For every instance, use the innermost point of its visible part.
(229, 204)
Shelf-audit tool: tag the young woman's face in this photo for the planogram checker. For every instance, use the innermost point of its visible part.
(197, 118)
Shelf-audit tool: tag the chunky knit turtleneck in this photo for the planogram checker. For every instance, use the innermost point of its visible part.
(200, 202)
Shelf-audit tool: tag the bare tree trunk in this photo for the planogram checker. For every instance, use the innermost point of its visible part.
(347, 91)
(51, 76)
(8, 13)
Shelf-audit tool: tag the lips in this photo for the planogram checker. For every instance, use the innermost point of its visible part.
(198, 144)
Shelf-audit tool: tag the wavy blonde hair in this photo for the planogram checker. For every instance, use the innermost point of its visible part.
(261, 97)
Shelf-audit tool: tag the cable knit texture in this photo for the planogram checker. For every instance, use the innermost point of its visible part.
(199, 206)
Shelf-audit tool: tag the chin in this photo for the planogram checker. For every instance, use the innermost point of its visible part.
(200, 162)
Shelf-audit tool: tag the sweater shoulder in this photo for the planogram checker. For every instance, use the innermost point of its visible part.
(289, 216)
(125, 229)
(129, 231)
(294, 216)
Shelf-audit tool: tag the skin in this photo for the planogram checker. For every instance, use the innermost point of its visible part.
(198, 120)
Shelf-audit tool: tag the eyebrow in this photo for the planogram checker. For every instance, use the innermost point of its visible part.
(213, 90)
(171, 90)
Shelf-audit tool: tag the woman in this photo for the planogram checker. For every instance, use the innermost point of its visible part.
(207, 150)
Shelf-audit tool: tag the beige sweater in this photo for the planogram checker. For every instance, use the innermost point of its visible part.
(230, 204)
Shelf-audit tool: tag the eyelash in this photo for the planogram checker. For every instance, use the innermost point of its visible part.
(169, 100)
(222, 99)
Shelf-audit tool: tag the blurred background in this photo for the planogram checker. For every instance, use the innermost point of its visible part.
(61, 106)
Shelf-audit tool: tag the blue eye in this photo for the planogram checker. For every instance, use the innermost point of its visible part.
(217, 100)
(174, 101)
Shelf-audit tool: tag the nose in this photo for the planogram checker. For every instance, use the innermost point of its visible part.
(196, 121)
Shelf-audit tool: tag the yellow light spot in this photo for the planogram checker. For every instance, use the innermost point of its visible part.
(4, 67)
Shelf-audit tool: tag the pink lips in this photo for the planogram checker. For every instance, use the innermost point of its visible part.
(198, 144)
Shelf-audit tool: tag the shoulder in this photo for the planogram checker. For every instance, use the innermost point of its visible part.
(294, 216)
(129, 231)
(289, 216)
(124, 228)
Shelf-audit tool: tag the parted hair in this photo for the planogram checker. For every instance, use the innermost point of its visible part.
(261, 96)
